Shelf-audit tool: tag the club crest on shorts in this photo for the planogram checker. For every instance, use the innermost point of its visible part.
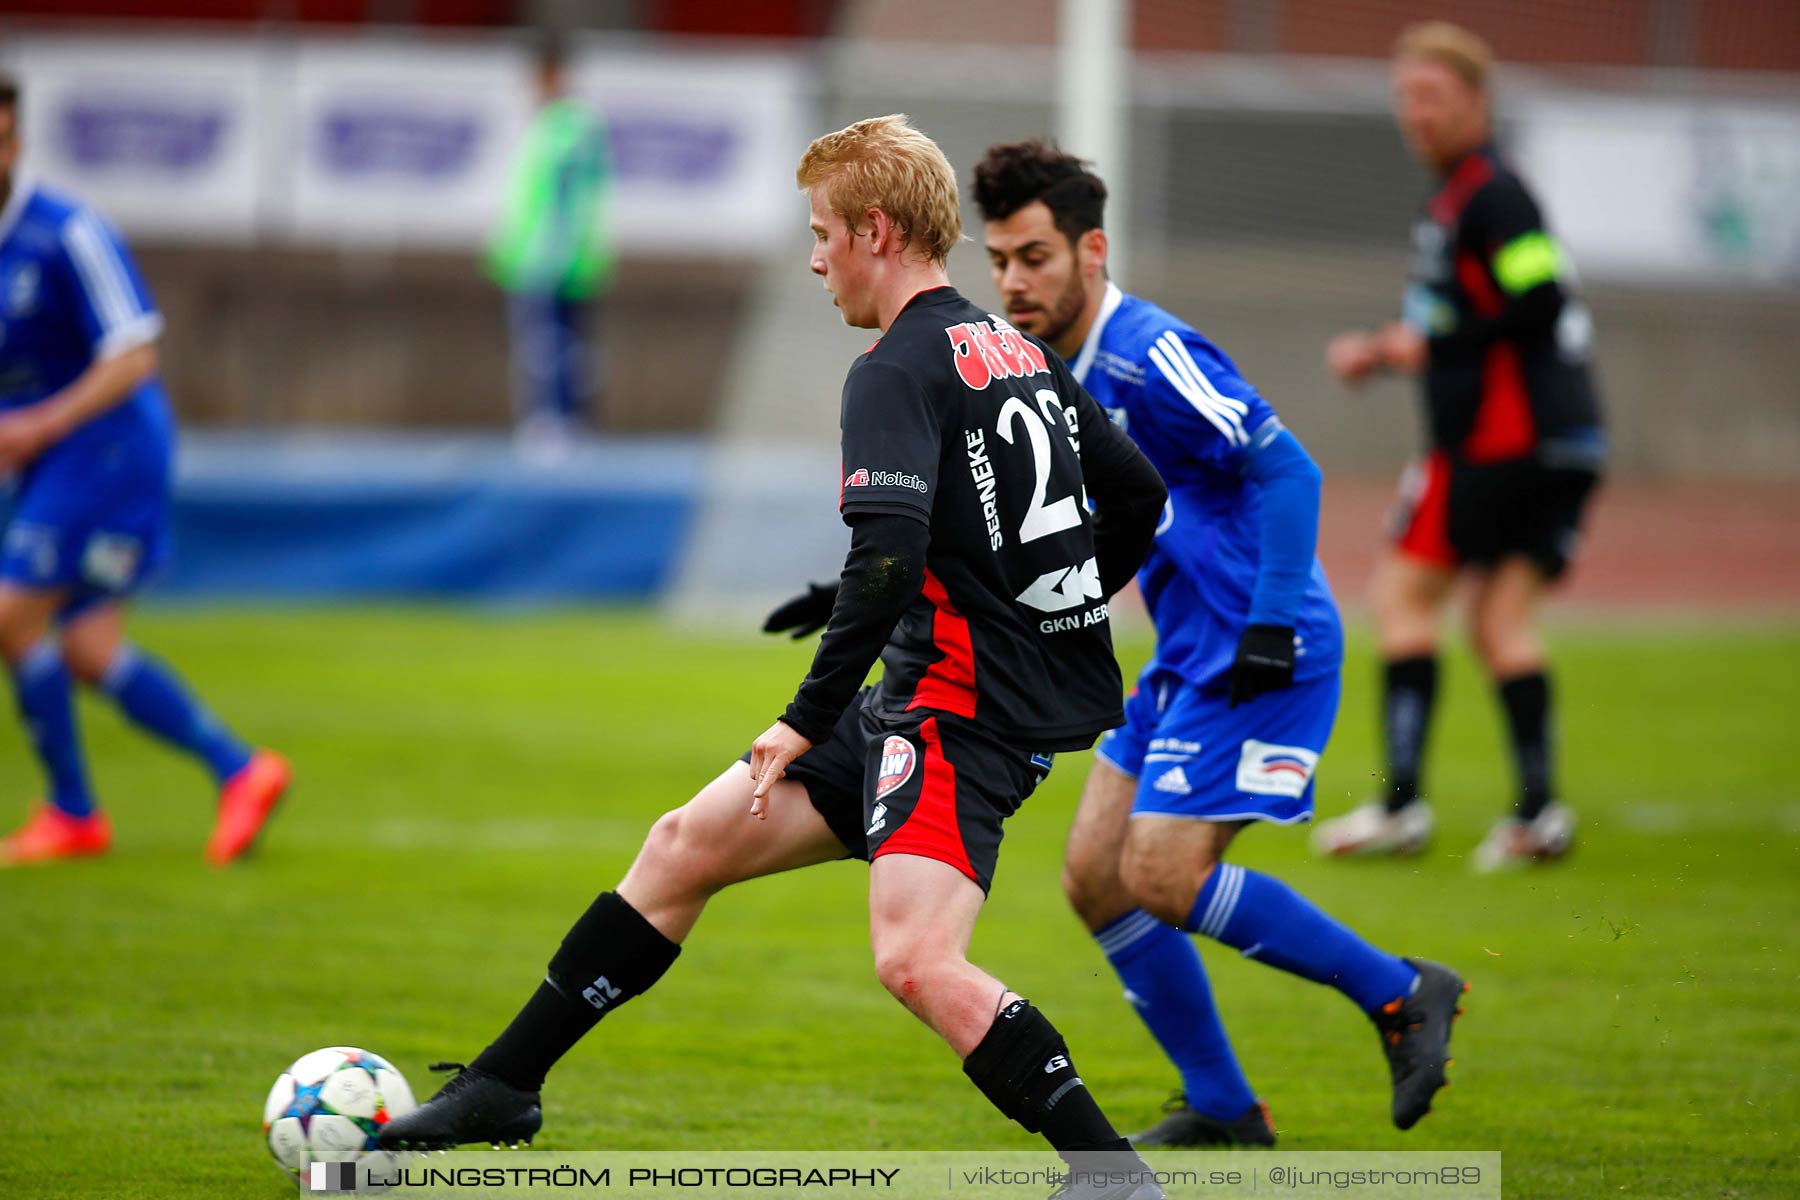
(111, 560)
(898, 758)
(1265, 769)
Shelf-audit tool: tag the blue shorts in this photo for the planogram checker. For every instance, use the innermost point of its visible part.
(1193, 755)
(94, 524)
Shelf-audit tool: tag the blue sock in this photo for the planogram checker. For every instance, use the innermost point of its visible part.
(41, 686)
(1166, 983)
(1269, 921)
(154, 697)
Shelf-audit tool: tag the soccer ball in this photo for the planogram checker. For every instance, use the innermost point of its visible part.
(329, 1105)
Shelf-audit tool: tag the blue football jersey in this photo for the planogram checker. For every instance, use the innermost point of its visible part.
(1198, 421)
(69, 296)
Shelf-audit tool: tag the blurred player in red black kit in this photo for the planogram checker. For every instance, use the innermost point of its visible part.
(979, 576)
(1492, 323)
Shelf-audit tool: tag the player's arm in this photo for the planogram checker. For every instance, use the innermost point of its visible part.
(1127, 493)
(1358, 354)
(28, 432)
(1522, 263)
(884, 570)
(1288, 537)
(121, 325)
(890, 432)
(1195, 393)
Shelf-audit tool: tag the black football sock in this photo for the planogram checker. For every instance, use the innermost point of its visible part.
(1526, 699)
(1022, 1066)
(610, 955)
(1409, 690)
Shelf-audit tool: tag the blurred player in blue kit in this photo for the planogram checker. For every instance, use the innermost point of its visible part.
(1229, 718)
(85, 425)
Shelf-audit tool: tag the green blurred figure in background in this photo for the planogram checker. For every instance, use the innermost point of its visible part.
(552, 253)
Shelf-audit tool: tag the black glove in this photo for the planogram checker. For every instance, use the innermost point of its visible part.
(1264, 663)
(805, 614)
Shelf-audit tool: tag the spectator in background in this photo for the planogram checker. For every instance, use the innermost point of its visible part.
(552, 253)
(1495, 330)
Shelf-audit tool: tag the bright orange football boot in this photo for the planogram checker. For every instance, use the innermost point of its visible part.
(245, 803)
(51, 834)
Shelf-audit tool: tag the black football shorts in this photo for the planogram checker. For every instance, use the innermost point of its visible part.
(1518, 508)
(930, 784)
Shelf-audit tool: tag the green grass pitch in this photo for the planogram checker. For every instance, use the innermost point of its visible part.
(466, 783)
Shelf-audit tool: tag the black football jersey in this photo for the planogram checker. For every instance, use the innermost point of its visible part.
(1508, 368)
(963, 422)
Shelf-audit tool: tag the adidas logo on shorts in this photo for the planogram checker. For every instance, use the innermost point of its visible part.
(1173, 780)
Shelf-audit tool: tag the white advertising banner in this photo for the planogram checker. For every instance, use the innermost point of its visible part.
(705, 146)
(163, 136)
(400, 143)
(385, 142)
(1652, 190)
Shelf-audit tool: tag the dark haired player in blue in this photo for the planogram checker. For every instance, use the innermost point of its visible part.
(1231, 715)
(85, 424)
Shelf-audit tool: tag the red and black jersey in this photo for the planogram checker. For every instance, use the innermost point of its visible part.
(977, 432)
(1507, 375)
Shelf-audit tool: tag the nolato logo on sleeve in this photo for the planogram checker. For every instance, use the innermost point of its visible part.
(863, 477)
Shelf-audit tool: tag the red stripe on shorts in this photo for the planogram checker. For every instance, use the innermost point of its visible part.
(932, 830)
(1427, 531)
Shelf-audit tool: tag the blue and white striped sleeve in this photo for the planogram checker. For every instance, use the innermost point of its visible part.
(1199, 396)
(113, 304)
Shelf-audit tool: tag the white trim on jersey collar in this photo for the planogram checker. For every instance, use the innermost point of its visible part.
(23, 185)
(1109, 304)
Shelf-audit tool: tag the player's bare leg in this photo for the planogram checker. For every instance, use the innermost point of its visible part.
(921, 915)
(711, 842)
(1407, 595)
(1503, 620)
(618, 949)
(26, 617)
(1167, 861)
(1090, 877)
(1172, 862)
(91, 640)
(1164, 979)
(149, 693)
(69, 825)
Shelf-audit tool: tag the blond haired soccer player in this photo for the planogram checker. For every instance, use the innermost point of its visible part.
(1493, 327)
(980, 578)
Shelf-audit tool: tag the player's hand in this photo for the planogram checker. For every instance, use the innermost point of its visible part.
(1264, 663)
(23, 436)
(1352, 357)
(1400, 347)
(804, 614)
(770, 755)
